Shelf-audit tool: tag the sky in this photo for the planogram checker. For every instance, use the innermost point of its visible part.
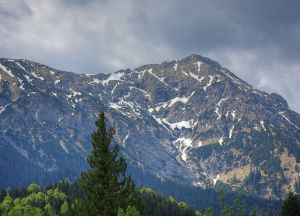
(258, 40)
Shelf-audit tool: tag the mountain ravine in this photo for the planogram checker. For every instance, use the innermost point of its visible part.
(189, 120)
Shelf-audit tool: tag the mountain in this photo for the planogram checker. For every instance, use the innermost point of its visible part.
(189, 121)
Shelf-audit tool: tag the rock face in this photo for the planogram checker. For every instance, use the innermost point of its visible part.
(189, 120)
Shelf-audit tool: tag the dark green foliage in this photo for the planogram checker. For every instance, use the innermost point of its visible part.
(291, 206)
(157, 205)
(201, 199)
(130, 211)
(208, 212)
(35, 202)
(237, 208)
(2, 194)
(62, 199)
(105, 188)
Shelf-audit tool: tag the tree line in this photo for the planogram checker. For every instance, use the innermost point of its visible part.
(105, 190)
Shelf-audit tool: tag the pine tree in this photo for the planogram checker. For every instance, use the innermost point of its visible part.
(105, 187)
(64, 209)
(131, 211)
(208, 212)
(49, 211)
(291, 206)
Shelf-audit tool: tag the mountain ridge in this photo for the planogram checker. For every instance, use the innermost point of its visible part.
(189, 114)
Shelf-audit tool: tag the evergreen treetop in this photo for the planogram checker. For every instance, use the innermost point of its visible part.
(105, 186)
(291, 205)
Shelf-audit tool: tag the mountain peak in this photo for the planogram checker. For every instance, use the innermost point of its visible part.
(189, 120)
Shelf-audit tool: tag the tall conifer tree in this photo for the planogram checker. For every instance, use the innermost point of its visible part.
(105, 187)
(291, 206)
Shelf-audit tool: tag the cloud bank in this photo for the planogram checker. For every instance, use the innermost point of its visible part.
(257, 40)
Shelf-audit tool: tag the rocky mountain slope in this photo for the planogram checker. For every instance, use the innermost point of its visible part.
(190, 120)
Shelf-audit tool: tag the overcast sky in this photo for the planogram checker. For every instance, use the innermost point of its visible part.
(259, 40)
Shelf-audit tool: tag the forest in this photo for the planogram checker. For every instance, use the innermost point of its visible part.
(105, 189)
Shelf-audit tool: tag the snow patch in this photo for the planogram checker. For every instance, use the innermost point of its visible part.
(114, 105)
(231, 131)
(182, 124)
(160, 79)
(125, 140)
(211, 78)
(197, 77)
(233, 114)
(63, 146)
(262, 124)
(2, 108)
(227, 113)
(175, 66)
(127, 108)
(21, 84)
(184, 144)
(114, 88)
(180, 99)
(36, 76)
(173, 101)
(159, 121)
(184, 73)
(113, 77)
(218, 107)
(20, 66)
(217, 111)
(95, 81)
(75, 93)
(144, 92)
(216, 179)
(288, 120)
(179, 125)
(6, 70)
(28, 78)
(221, 140)
(198, 63)
(78, 144)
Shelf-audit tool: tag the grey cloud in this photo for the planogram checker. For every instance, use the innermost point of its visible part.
(257, 40)
(14, 9)
(209, 25)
